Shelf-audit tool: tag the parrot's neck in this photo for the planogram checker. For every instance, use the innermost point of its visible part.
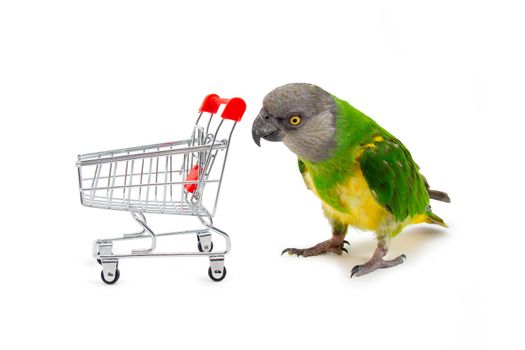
(353, 130)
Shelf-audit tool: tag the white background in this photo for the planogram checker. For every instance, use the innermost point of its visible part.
(446, 77)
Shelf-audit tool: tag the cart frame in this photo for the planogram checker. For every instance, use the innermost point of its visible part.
(142, 186)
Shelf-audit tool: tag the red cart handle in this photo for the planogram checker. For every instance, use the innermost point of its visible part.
(233, 110)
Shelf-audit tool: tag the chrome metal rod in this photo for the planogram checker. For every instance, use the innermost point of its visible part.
(141, 219)
(222, 170)
(145, 185)
(219, 145)
(161, 254)
(133, 149)
(141, 234)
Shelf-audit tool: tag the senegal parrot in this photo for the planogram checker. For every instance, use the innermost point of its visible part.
(363, 175)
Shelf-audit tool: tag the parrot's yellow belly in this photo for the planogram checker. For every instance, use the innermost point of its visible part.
(361, 209)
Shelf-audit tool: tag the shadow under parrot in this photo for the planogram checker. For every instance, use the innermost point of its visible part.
(411, 241)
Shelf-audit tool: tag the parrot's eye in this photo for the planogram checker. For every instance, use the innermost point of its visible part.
(295, 120)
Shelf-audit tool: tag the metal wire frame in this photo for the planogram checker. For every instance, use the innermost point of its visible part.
(148, 170)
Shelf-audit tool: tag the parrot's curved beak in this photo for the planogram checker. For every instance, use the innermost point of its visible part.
(265, 126)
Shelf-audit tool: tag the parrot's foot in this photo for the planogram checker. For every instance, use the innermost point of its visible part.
(334, 245)
(377, 262)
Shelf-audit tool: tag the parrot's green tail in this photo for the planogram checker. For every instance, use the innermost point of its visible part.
(434, 219)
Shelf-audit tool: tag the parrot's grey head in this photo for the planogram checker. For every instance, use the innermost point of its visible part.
(302, 116)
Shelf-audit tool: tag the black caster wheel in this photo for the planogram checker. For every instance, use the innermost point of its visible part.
(199, 246)
(217, 279)
(99, 261)
(117, 276)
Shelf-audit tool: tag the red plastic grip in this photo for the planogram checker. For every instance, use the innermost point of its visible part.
(233, 110)
(192, 176)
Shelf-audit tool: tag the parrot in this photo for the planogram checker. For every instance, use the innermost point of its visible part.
(364, 176)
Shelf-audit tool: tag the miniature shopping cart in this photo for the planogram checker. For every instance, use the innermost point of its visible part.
(178, 178)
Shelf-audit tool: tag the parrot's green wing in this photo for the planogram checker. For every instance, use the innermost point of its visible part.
(303, 170)
(393, 177)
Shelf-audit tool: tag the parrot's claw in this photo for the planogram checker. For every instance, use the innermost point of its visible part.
(287, 250)
(376, 263)
(355, 269)
(346, 242)
(330, 246)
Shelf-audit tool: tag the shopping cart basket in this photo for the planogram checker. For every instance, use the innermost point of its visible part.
(179, 178)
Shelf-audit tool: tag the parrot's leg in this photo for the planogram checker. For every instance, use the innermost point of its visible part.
(333, 245)
(377, 261)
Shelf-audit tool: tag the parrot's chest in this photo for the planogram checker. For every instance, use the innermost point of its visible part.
(350, 202)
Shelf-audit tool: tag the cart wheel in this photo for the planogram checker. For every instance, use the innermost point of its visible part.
(217, 279)
(99, 261)
(117, 276)
(199, 246)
